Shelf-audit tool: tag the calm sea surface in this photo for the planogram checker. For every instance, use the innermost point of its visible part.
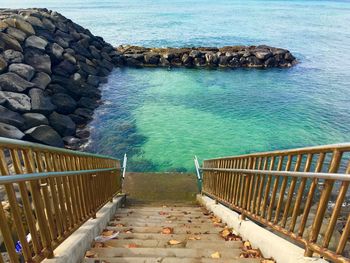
(162, 118)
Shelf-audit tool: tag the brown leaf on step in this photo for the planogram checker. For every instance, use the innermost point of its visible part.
(206, 233)
(188, 232)
(168, 230)
(251, 253)
(225, 233)
(189, 221)
(90, 254)
(215, 255)
(186, 213)
(174, 242)
(194, 238)
(163, 213)
(107, 233)
(247, 245)
(128, 231)
(132, 245)
(216, 220)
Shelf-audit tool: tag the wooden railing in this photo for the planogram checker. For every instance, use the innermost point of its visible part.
(301, 193)
(49, 193)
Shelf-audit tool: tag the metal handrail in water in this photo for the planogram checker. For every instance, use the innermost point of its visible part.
(301, 193)
(50, 192)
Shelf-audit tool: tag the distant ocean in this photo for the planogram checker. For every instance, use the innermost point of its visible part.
(162, 118)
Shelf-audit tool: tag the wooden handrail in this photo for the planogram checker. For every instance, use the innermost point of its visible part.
(289, 192)
(58, 190)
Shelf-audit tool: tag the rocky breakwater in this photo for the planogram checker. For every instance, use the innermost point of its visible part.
(226, 57)
(50, 71)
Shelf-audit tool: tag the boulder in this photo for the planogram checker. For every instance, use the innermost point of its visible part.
(93, 80)
(55, 88)
(84, 113)
(56, 52)
(23, 70)
(15, 101)
(63, 124)
(36, 42)
(72, 142)
(11, 117)
(9, 131)
(44, 134)
(12, 82)
(34, 119)
(70, 58)
(3, 64)
(89, 103)
(41, 80)
(10, 42)
(65, 68)
(34, 21)
(38, 60)
(65, 104)
(24, 26)
(195, 54)
(164, 62)
(40, 102)
(16, 33)
(263, 54)
(149, 58)
(12, 56)
(48, 24)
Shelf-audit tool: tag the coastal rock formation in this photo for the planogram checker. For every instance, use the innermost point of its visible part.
(226, 57)
(50, 71)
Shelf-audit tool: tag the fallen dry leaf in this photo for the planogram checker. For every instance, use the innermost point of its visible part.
(247, 245)
(107, 233)
(90, 254)
(174, 242)
(194, 238)
(132, 245)
(215, 255)
(128, 231)
(168, 230)
(225, 233)
(163, 213)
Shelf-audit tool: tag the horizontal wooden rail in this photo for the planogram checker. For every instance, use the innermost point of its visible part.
(301, 193)
(48, 193)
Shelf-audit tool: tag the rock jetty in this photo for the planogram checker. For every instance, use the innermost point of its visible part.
(50, 71)
(212, 57)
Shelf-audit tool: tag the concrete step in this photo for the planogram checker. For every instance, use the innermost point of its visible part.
(164, 223)
(161, 212)
(204, 244)
(168, 260)
(180, 237)
(158, 217)
(162, 208)
(160, 220)
(178, 230)
(225, 253)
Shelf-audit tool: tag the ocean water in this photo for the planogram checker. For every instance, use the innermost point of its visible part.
(161, 118)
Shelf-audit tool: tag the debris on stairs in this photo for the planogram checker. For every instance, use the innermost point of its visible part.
(170, 235)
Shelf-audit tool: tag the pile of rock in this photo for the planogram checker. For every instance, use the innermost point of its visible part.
(50, 70)
(230, 57)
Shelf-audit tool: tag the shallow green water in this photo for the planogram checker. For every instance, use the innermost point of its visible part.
(163, 118)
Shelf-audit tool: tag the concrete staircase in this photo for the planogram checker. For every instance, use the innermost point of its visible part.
(165, 234)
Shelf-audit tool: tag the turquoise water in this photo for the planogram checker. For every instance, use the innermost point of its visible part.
(162, 118)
